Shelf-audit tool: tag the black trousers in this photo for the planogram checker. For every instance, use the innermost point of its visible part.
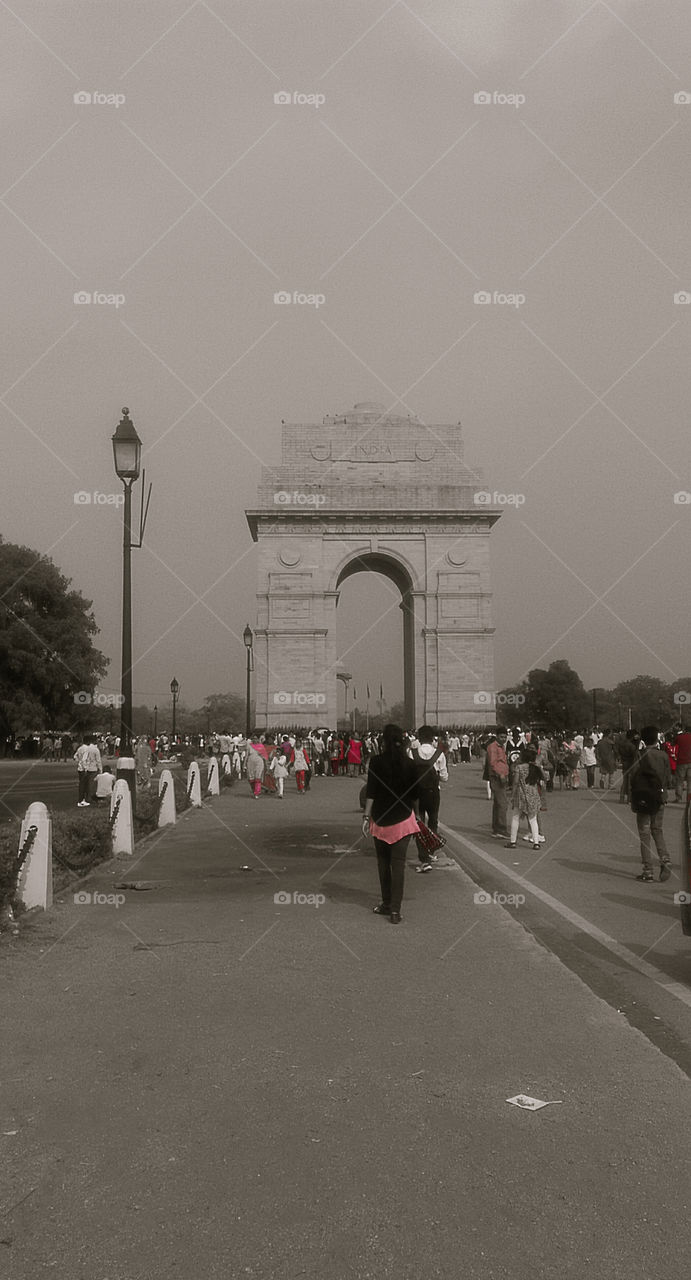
(391, 867)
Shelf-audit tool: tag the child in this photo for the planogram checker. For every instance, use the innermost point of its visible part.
(279, 768)
(525, 797)
(302, 764)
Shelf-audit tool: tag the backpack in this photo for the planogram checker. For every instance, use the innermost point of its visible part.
(647, 791)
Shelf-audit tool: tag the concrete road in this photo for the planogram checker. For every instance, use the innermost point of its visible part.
(205, 1081)
(23, 781)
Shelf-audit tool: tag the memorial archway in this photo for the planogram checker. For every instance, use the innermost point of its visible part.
(362, 490)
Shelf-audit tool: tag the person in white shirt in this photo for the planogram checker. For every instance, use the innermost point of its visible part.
(104, 786)
(88, 759)
(589, 759)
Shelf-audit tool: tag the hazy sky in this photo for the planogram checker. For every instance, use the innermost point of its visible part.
(398, 198)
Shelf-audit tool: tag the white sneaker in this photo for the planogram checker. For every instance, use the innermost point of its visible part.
(529, 839)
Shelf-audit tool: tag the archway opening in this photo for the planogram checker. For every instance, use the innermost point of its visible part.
(375, 638)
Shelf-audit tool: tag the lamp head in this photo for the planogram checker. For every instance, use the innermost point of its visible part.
(127, 449)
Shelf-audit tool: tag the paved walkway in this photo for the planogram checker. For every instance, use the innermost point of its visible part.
(202, 1082)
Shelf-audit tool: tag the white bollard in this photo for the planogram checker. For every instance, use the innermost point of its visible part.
(122, 831)
(194, 786)
(35, 884)
(226, 765)
(166, 814)
(212, 781)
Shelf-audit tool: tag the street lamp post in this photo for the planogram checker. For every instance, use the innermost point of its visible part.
(156, 722)
(127, 453)
(248, 638)
(175, 690)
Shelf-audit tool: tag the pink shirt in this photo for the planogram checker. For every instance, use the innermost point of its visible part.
(389, 835)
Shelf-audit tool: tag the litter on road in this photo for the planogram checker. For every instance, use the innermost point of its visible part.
(532, 1104)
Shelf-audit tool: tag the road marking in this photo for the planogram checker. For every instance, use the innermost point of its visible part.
(621, 952)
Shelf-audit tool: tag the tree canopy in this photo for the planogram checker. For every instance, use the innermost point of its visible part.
(47, 655)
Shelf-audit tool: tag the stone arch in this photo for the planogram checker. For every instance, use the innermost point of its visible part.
(401, 574)
(371, 490)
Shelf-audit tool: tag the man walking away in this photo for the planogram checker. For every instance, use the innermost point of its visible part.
(431, 766)
(606, 759)
(88, 759)
(498, 770)
(649, 779)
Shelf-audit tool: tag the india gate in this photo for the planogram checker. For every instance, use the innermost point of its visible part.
(362, 491)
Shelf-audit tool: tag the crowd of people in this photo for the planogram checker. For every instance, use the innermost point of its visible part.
(519, 768)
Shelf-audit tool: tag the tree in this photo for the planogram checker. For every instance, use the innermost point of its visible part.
(221, 711)
(47, 658)
(648, 697)
(555, 697)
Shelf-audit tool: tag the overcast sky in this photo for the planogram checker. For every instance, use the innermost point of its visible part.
(398, 197)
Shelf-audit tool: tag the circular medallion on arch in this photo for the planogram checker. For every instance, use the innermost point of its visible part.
(457, 554)
(424, 452)
(290, 554)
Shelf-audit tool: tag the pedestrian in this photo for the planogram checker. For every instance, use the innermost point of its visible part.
(683, 770)
(279, 768)
(318, 753)
(335, 749)
(104, 786)
(257, 759)
(627, 748)
(498, 771)
(430, 760)
(301, 763)
(670, 746)
(589, 759)
(389, 818)
(525, 797)
(145, 763)
(606, 759)
(354, 755)
(572, 760)
(649, 779)
(88, 759)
